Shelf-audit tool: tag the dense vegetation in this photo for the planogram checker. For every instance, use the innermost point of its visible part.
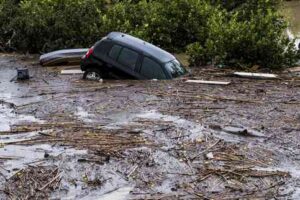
(239, 33)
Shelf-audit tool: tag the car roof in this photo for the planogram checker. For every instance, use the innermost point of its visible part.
(140, 45)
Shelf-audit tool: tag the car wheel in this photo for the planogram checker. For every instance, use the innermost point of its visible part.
(92, 74)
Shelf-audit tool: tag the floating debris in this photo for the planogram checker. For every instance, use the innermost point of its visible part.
(256, 75)
(208, 82)
(33, 183)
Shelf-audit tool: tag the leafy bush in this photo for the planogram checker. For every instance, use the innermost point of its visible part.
(8, 11)
(42, 25)
(235, 33)
(247, 5)
(163, 23)
(239, 40)
(128, 17)
(175, 24)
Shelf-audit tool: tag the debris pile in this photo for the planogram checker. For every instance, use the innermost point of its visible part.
(209, 167)
(33, 183)
(228, 173)
(94, 139)
(198, 139)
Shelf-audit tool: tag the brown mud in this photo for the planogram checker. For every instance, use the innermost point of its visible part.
(65, 138)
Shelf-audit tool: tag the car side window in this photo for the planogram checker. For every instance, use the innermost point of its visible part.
(152, 69)
(128, 58)
(114, 52)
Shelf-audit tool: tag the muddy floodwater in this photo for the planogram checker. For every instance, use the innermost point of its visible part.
(65, 138)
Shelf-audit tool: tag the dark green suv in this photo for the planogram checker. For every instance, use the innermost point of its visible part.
(122, 55)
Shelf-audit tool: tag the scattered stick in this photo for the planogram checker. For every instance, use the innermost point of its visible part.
(206, 150)
(203, 96)
(132, 171)
(50, 182)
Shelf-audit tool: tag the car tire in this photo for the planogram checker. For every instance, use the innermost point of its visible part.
(92, 74)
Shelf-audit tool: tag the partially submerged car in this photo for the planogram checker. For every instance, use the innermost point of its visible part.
(122, 55)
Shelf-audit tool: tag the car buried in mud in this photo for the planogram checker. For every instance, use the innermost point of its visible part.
(123, 56)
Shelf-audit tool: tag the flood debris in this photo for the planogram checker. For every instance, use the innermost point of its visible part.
(210, 156)
(9, 117)
(191, 95)
(208, 82)
(36, 182)
(246, 132)
(149, 139)
(9, 104)
(116, 194)
(94, 139)
(230, 168)
(294, 69)
(71, 72)
(255, 75)
(23, 74)
(243, 131)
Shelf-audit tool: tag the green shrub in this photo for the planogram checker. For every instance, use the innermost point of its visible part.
(247, 5)
(258, 39)
(43, 25)
(176, 23)
(163, 23)
(128, 17)
(8, 11)
(234, 33)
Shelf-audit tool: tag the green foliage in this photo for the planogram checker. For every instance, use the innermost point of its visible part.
(235, 33)
(8, 11)
(163, 23)
(239, 40)
(42, 25)
(127, 17)
(175, 24)
(247, 5)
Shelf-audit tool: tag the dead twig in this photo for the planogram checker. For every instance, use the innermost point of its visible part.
(206, 150)
(50, 182)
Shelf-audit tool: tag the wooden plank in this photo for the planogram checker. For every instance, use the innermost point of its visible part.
(208, 82)
(256, 75)
(294, 69)
(71, 72)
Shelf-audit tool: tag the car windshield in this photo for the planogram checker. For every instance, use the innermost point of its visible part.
(175, 68)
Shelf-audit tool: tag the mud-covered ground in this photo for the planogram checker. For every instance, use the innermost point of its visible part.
(65, 138)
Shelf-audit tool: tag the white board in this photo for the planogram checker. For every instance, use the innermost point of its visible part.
(294, 69)
(71, 71)
(256, 75)
(208, 82)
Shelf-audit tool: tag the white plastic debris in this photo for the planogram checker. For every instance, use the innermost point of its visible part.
(210, 156)
(71, 72)
(208, 82)
(256, 75)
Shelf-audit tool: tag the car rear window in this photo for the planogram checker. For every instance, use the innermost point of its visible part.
(152, 69)
(114, 52)
(128, 58)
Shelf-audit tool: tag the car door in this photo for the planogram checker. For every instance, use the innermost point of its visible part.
(151, 69)
(124, 59)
